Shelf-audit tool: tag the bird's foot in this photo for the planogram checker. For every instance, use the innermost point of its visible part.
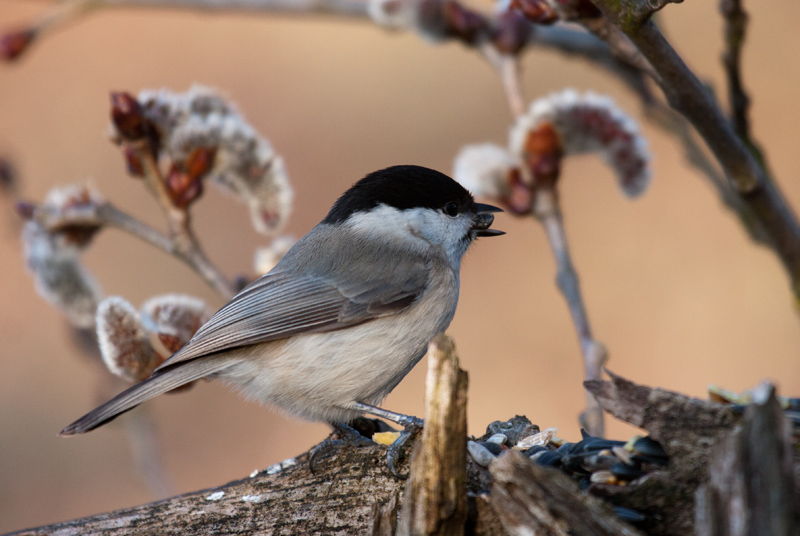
(410, 429)
(348, 437)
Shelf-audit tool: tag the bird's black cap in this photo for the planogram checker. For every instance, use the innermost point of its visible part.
(401, 187)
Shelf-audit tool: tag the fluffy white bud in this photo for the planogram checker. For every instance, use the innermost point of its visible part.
(59, 275)
(175, 315)
(124, 342)
(484, 169)
(245, 163)
(590, 123)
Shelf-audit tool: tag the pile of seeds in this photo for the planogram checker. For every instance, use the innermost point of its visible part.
(592, 460)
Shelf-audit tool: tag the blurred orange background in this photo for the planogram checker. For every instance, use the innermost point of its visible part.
(673, 286)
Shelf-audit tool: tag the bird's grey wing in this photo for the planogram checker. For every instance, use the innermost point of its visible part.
(281, 304)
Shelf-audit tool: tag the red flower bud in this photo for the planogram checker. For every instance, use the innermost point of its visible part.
(133, 162)
(462, 23)
(200, 162)
(126, 113)
(537, 11)
(13, 44)
(182, 188)
(512, 32)
(543, 154)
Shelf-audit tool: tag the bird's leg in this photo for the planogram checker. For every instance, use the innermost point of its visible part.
(411, 426)
(348, 436)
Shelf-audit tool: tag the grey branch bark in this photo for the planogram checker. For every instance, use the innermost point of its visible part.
(751, 489)
(547, 210)
(687, 94)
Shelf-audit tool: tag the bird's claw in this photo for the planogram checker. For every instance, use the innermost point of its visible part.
(348, 436)
(411, 428)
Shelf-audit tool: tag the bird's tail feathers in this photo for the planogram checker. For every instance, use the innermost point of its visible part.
(152, 386)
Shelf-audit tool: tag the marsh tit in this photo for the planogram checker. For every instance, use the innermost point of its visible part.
(345, 315)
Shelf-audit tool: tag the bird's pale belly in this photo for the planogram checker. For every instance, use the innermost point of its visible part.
(317, 376)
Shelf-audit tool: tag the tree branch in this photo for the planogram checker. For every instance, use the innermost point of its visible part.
(686, 94)
(547, 211)
(735, 28)
(108, 215)
(184, 242)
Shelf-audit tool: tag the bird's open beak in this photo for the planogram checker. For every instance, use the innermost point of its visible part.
(483, 220)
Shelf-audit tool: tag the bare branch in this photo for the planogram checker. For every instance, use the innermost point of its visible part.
(547, 211)
(735, 28)
(640, 11)
(184, 243)
(106, 214)
(686, 94)
(508, 68)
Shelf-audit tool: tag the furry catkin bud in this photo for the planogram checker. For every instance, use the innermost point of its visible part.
(231, 153)
(589, 123)
(59, 275)
(490, 171)
(126, 114)
(484, 169)
(71, 213)
(175, 318)
(124, 342)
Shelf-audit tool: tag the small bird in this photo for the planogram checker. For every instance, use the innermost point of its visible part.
(345, 315)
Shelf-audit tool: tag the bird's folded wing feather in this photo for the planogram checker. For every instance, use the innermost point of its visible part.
(281, 304)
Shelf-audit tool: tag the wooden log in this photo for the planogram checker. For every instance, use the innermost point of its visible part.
(751, 487)
(530, 499)
(435, 501)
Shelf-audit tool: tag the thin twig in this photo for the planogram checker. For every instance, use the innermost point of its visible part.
(687, 94)
(108, 215)
(508, 69)
(735, 25)
(112, 216)
(735, 29)
(184, 242)
(595, 355)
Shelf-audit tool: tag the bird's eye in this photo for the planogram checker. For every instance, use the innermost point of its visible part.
(451, 209)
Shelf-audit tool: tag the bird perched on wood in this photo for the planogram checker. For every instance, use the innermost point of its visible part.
(347, 312)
